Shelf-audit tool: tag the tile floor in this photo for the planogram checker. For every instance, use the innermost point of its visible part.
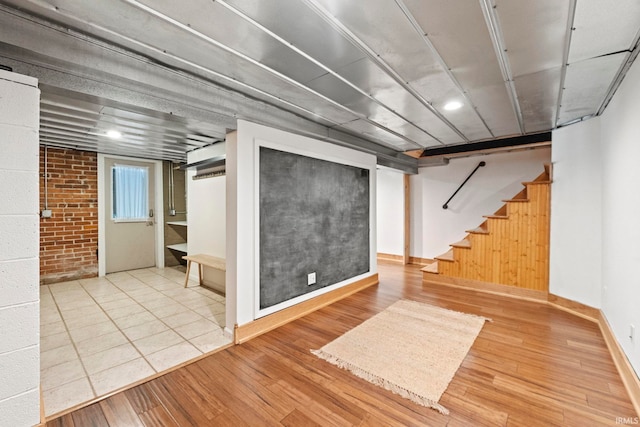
(98, 335)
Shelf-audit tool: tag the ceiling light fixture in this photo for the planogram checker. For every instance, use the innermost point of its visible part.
(114, 134)
(452, 105)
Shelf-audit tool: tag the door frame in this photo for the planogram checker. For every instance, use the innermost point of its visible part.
(158, 209)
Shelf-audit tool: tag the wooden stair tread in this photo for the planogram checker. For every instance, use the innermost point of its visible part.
(515, 200)
(478, 230)
(448, 256)
(536, 182)
(496, 216)
(431, 268)
(464, 243)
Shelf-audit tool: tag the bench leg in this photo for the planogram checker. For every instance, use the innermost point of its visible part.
(200, 273)
(186, 279)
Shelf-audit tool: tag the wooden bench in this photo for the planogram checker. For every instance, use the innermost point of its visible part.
(203, 260)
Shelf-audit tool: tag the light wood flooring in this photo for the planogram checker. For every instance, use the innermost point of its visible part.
(532, 366)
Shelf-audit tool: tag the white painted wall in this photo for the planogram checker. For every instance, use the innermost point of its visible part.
(576, 214)
(433, 229)
(595, 250)
(19, 246)
(390, 211)
(206, 215)
(620, 129)
(242, 211)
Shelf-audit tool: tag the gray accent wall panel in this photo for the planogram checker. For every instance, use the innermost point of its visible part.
(314, 217)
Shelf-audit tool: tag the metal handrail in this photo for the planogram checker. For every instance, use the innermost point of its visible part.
(446, 204)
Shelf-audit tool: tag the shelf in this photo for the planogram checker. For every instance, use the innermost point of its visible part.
(180, 247)
(181, 223)
(206, 164)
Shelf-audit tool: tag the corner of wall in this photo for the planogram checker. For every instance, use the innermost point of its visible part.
(576, 214)
(620, 204)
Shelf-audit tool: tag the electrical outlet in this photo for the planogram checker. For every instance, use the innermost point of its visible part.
(311, 279)
(632, 332)
(46, 213)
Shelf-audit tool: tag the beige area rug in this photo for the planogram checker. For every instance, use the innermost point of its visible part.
(410, 348)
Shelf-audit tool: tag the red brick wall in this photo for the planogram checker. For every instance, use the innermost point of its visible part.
(69, 239)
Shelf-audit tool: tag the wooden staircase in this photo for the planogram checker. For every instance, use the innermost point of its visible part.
(511, 247)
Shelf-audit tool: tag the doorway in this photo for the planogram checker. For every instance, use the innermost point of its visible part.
(130, 214)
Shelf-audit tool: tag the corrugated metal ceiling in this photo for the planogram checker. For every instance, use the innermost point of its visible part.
(381, 70)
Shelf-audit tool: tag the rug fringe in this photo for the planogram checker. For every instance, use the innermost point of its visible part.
(376, 380)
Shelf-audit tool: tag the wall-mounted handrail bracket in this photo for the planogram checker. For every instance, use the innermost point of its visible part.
(446, 204)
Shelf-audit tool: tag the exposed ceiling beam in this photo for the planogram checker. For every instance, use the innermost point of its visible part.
(489, 145)
(626, 64)
(495, 32)
(565, 57)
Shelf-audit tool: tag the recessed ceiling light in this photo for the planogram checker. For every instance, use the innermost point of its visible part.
(452, 105)
(114, 134)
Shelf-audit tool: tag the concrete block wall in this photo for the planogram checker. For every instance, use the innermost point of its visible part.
(19, 287)
(69, 239)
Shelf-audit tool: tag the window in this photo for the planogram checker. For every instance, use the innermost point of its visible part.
(130, 193)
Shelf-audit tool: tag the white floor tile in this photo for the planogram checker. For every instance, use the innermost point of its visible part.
(94, 281)
(166, 285)
(134, 320)
(129, 310)
(170, 309)
(61, 374)
(57, 356)
(49, 342)
(91, 331)
(52, 328)
(49, 315)
(99, 288)
(195, 300)
(81, 322)
(115, 296)
(210, 341)
(144, 304)
(163, 301)
(46, 299)
(109, 358)
(194, 329)
(145, 330)
(88, 310)
(119, 303)
(172, 356)
(157, 342)
(181, 319)
(119, 376)
(131, 285)
(61, 287)
(220, 319)
(100, 343)
(210, 309)
(148, 296)
(74, 303)
(175, 292)
(144, 290)
(67, 395)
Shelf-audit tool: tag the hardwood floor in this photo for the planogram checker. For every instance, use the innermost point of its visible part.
(533, 365)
